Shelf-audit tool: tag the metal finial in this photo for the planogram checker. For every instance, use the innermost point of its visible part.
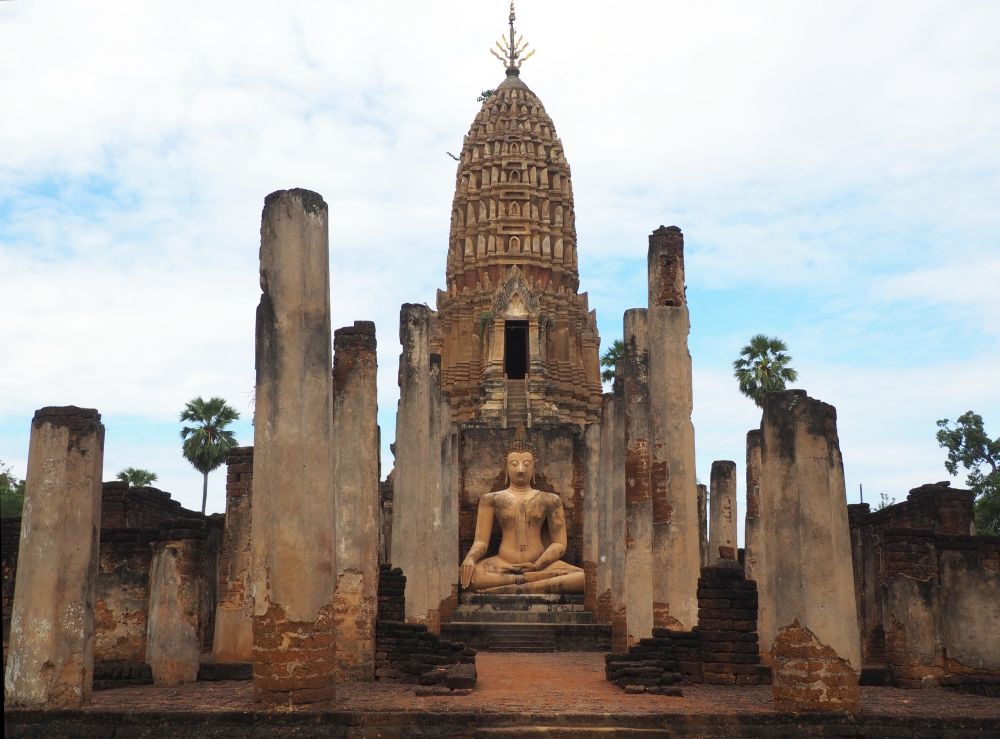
(513, 48)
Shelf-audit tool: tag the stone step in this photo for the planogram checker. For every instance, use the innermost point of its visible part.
(559, 617)
(519, 601)
(501, 635)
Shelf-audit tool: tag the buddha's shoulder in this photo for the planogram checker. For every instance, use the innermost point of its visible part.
(550, 499)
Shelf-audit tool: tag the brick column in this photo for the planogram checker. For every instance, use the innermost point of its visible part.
(592, 493)
(752, 541)
(411, 475)
(294, 568)
(638, 499)
(703, 525)
(356, 486)
(815, 645)
(176, 590)
(233, 641)
(722, 502)
(50, 661)
(676, 554)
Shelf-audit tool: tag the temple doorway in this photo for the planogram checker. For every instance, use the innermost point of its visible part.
(515, 349)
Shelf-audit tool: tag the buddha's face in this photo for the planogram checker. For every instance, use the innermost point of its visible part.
(520, 468)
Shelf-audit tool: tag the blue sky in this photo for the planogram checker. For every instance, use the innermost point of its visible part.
(835, 168)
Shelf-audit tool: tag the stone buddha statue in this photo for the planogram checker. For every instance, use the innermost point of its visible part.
(524, 563)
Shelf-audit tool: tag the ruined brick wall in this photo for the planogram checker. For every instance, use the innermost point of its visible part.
(560, 470)
(405, 653)
(727, 626)
(722, 650)
(122, 595)
(935, 507)
(121, 607)
(927, 591)
(143, 508)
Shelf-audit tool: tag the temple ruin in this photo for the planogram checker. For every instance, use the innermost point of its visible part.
(525, 510)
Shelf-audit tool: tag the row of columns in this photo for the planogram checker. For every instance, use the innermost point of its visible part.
(647, 561)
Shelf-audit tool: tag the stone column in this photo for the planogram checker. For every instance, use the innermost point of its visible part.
(591, 513)
(638, 499)
(604, 503)
(356, 495)
(676, 554)
(294, 568)
(50, 662)
(752, 542)
(722, 504)
(814, 640)
(176, 587)
(440, 503)
(233, 640)
(703, 525)
(410, 504)
(616, 524)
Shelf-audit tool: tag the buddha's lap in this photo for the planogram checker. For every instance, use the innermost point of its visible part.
(497, 565)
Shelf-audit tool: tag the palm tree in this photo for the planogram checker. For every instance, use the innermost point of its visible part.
(137, 477)
(610, 359)
(762, 367)
(206, 444)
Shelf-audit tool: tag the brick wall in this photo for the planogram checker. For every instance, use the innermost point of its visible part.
(927, 590)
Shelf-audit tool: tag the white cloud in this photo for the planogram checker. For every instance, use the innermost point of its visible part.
(834, 167)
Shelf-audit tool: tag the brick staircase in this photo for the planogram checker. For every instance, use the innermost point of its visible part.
(526, 623)
(516, 411)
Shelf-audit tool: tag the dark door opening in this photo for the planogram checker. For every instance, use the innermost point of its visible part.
(515, 349)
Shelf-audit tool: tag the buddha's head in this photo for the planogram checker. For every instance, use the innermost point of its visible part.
(520, 468)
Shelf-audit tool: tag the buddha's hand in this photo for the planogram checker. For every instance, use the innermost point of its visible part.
(520, 569)
(468, 571)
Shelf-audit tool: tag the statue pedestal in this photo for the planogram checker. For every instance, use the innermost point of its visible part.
(526, 623)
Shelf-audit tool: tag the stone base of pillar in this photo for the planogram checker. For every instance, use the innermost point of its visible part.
(808, 675)
(293, 661)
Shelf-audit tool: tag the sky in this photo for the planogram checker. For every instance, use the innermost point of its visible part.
(835, 168)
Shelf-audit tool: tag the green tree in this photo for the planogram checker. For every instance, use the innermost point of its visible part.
(137, 477)
(207, 442)
(610, 359)
(969, 446)
(11, 493)
(762, 367)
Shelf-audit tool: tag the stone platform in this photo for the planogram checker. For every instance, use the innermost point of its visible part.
(518, 695)
(525, 623)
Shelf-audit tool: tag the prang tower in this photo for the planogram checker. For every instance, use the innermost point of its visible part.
(518, 343)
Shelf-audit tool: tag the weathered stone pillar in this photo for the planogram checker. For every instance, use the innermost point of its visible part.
(722, 533)
(752, 542)
(294, 569)
(703, 525)
(50, 661)
(676, 554)
(176, 589)
(591, 514)
(233, 640)
(604, 502)
(356, 495)
(616, 522)
(638, 499)
(814, 643)
(440, 500)
(414, 460)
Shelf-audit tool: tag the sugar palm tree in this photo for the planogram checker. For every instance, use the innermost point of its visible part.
(136, 477)
(762, 367)
(610, 359)
(206, 443)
